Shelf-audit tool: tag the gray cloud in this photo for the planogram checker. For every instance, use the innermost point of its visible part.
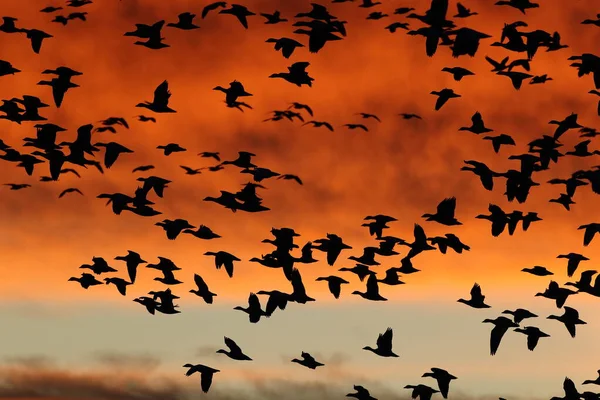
(207, 351)
(115, 360)
(33, 383)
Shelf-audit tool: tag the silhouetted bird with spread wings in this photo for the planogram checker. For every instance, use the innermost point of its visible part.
(160, 103)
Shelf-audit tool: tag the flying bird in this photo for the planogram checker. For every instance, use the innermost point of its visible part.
(160, 102)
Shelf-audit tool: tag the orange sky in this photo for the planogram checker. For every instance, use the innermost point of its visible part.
(400, 168)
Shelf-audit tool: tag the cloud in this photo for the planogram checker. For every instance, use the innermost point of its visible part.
(207, 351)
(30, 362)
(27, 382)
(114, 360)
(57, 384)
(36, 383)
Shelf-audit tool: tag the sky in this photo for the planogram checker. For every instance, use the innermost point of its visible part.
(66, 342)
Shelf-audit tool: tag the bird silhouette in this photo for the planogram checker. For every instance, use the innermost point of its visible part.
(593, 381)
(86, 280)
(185, 22)
(133, 260)
(361, 392)
(334, 283)
(296, 74)
(274, 18)
(520, 314)
(570, 318)
(372, 291)
(174, 227)
(590, 231)
(61, 84)
(206, 374)
(521, 5)
(202, 290)
(240, 12)
(235, 352)
(554, 292)
(445, 213)
(457, 72)
(253, 310)
(307, 361)
(160, 102)
(69, 190)
(501, 326)
(442, 377)
(212, 7)
(443, 96)
(120, 283)
(476, 300)
(384, 344)
(423, 392)
(222, 258)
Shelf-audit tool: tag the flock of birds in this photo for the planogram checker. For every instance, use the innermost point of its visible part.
(321, 27)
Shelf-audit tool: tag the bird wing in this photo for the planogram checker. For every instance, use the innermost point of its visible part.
(335, 288)
(572, 265)
(296, 280)
(570, 389)
(299, 67)
(498, 227)
(229, 267)
(532, 341)
(588, 235)
(253, 301)
(168, 274)
(58, 93)
(308, 358)
(447, 206)
(162, 94)
(443, 383)
(200, 283)
(372, 286)
(232, 345)
(571, 313)
(476, 292)
(132, 271)
(384, 341)
(243, 20)
(419, 234)
(36, 43)
(110, 156)
(496, 337)
(332, 255)
(272, 304)
(441, 100)
(437, 11)
(206, 380)
(596, 74)
(571, 327)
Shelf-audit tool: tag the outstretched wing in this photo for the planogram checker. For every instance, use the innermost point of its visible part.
(476, 292)
(162, 94)
(202, 286)
(384, 341)
(232, 345)
(447, 206)
(372, 286)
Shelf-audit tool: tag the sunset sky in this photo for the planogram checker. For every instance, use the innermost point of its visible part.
(87, 343)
